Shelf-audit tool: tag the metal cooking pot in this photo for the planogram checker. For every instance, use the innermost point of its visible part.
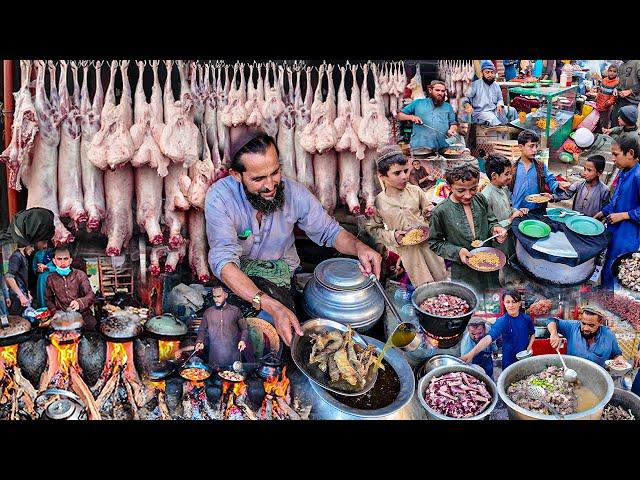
(68, 408)
(121, 328)
(557, 273)
(338, 291)
(448, 330)
(423, 384)
(592, 375)
(615, 270)
(198, 364)
(66, 321)
(165, 326)
(626, 400)
(18, 330)
(437, 361)
(270, 365)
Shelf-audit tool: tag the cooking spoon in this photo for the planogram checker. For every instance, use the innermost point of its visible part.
(189, 357)
(537, 393)
(475, 243)
(570, 375)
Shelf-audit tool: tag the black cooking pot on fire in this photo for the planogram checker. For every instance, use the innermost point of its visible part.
(447, 330)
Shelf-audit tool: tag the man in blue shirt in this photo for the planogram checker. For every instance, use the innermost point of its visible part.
(588, 337)
(433, 120)
(531, 176)
(477, 329)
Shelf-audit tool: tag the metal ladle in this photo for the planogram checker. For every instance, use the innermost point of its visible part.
(402, 325)
(537, 393)
(570, 375)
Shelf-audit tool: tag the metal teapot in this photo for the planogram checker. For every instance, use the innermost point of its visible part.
(270, 365)
(69, 408)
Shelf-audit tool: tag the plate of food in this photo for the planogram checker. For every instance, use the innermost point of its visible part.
(335, 357)
(231, 376)
(619, 367)
(536, 198)
(452, 152)
(487, 259)
(415, 236)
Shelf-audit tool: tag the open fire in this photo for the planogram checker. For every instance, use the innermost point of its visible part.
(277, 401)
(161, 411)
(119, 392)
(167, 349)
(17, 395)
(234, 404)
(195, 405)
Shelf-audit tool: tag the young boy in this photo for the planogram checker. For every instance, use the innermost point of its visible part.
(590, 195)
(69, 289)
(623, 213)
(627, 123)
(17, 278)
(460, 219)
(606, 96)
(530, 177)
(400, 207)
(419, 175)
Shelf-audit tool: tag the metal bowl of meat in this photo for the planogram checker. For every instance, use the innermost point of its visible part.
(626, 271)
(618, 368)
(622, 406)
(444, 309)
(335, 357)
(452, 153)
(437, 361)
(195, 370)
(457, 392)
(583, 400)
(66, 321)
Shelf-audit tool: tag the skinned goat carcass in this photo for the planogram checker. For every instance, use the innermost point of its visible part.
(112, 146)
(304, 159)
(415, 84)
(149, 202)
(255, 98)
(198, 246)
(374, 129)
(286, 130)
(40, 176)
(196, 93)
(211, 124)
(174, 257)
(370, 186)
(92, 176)
(23, 131)
(201, 176)
(385, 86)
(175, 204)
(273, 105)
(234, 113)
(222, 100)
(70, 200)
(320, 134)
(157, 253)
(118, 223)
(180, 136)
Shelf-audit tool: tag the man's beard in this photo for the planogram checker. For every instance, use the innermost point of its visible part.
(437, 101)
(264, 205)
(221, 306)
(588, 336)
(487, 81)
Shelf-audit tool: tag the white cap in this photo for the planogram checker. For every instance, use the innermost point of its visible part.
(583, 137)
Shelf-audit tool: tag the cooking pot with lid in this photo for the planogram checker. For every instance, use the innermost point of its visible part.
(165, 325)
(17, 330)
(339, 291)
(121, 328)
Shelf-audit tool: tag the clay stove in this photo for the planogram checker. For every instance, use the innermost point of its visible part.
(17, 395)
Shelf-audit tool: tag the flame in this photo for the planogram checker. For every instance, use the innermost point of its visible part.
(167, 349)
(67, 353)
(237, 388)
(277, 385)
(9, 354)
(159, 386)
(118, 354)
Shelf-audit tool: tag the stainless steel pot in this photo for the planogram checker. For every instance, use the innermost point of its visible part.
(593, 377)
(338, 291)
(558, 273)
(627, 400)
(437, 361)
(423, 384)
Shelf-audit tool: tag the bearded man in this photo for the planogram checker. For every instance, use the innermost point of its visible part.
(588, 337)
(250, 217)
(433, 120)
(484, 99)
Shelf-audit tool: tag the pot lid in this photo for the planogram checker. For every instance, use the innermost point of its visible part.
(64, 321)
(121, 326)
(17, 326)
(61, 409)
(166, 325)
(341, 274)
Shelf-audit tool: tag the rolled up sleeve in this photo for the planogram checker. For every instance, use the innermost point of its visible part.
(221, 234)
(316, 223)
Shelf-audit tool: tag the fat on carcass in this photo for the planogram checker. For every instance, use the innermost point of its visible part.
(92, 176)
(23, 131)
(304, 159)
(201, 176)
(198, 247)
(234, 113)
(43, 192)
(255, 98)
(70, 200)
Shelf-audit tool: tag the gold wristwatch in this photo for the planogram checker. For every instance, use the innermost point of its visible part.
(256, 301)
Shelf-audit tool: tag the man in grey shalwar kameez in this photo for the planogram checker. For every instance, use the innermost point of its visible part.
(484, 99)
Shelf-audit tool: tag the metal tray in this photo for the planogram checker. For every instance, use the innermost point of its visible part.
(301, 349)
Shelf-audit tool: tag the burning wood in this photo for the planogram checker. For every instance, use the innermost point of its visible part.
(234, 404)
(277, 401)
(119, 392)
(195, 405)
(17, 395)
(167, 349)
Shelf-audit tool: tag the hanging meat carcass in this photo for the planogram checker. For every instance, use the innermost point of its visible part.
(374, 129)
(40, 176)
(304, 159)
(385, 86)
(211, 124)
(92, 176)
(198, 246)
(179, 139)
(201, 176)
(23, 131)
(273, 105)
(196, 94)
(234, 113)
(175, 204)
(255, 98)
(112, 146)
(157, 253)
(286, 127)
(222, 99)
(396, 91)
(174, 257)
(415, 85)
(70, 200)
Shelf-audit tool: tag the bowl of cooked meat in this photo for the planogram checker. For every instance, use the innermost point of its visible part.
(623, 405)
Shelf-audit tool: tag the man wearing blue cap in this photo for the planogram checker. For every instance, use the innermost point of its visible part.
(484, 99)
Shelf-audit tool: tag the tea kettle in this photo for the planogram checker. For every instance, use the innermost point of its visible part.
(69, 408)
(270, 365)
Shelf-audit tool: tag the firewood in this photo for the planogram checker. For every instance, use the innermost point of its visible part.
(132, 401)
(162, 406)
(24, 383)
(108, 388)
(247, 411)
(14, 404)
(290, 412)
(82, 390)
(139, 393)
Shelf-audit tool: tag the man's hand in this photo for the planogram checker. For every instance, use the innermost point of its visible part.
(370, 260)
(416, 119)
(499, 109)
(606, 131)
(468, 108)
(502, 231)
(563, 186)
(636, 361)
(467, 357)
(199, 346)
(625, 93)
(284, 320)
(399, 235)
(41, 267)
(74, 306)
(464, 255)
(241, 345)
(555, 341)
(617, 217)
(24, 301)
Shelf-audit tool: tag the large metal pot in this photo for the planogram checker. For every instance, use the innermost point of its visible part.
(447, 330)
(557, 273)
(338, 291)
(626, 400)
(18, 330)
(436, 361)
(592, 376)
(121, 328)
(423, 384)
(165, 326)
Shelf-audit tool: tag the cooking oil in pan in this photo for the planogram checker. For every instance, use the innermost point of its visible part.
(401, 337)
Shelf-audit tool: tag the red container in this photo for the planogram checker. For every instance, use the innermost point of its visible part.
(542, 346)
